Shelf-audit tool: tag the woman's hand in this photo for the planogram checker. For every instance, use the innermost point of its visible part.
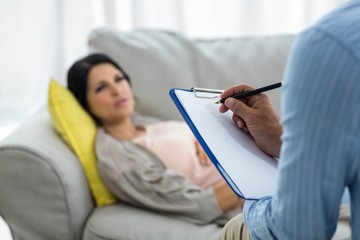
(257, 116)
(203, 158)
(226, 198)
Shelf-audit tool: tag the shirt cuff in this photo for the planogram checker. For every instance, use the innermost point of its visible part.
(247, 205)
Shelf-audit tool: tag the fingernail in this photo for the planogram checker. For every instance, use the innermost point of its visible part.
(229, 103)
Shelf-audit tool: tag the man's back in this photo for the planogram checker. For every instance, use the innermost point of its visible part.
(320, 153)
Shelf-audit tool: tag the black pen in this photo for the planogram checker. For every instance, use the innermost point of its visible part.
(252, 92)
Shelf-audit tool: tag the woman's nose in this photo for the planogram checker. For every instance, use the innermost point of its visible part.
(115, 90)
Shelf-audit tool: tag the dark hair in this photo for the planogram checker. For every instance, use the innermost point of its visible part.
(77, 77)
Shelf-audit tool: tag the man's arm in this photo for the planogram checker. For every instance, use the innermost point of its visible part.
(317, 129)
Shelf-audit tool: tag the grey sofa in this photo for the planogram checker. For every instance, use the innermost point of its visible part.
(43, 189)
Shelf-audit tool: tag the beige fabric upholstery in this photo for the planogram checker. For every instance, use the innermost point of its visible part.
(157, 61)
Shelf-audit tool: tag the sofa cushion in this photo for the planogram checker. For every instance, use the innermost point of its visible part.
(78, 130)
(158, 60)
(123, 222)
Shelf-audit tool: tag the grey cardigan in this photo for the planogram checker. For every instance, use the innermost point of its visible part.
(138, 177)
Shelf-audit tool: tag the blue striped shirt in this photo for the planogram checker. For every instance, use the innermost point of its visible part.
(320, 152)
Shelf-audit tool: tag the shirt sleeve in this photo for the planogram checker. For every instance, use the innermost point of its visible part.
(139, 178)
(320, 120)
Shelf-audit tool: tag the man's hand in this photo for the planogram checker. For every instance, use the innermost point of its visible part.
(257, 116)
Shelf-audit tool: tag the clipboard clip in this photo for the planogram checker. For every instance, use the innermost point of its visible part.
(206, 92)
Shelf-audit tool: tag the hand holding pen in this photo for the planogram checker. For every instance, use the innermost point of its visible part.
(255, 115)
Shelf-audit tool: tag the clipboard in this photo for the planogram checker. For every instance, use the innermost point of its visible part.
(250, 172)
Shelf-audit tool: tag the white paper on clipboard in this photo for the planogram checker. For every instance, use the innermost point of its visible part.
(251, 173)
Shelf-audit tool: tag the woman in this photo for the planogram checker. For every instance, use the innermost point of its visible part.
(156, 165)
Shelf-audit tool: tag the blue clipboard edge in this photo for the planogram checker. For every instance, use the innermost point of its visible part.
(202, 142)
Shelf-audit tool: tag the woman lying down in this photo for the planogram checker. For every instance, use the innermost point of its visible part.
(156, 165)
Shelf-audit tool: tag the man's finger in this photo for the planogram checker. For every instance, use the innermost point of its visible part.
(238, 107)
(236, 89)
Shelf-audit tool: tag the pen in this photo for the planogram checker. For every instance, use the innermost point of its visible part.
(252, 92)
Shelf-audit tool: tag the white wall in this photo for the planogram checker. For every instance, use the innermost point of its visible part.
(4, 230)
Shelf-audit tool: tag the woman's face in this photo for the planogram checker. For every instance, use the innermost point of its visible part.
(109, 94)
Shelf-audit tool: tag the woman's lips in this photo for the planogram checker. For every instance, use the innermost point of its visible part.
(121, 102)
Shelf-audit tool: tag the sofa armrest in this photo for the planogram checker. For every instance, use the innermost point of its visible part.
(43, 189)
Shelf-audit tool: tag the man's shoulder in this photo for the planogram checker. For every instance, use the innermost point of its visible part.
(343, 22)
(343, 26)
(344, 15)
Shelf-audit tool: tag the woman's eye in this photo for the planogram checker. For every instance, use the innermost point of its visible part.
(100, 88)
(119, 79)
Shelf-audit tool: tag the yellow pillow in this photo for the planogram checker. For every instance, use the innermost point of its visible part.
(78, 130)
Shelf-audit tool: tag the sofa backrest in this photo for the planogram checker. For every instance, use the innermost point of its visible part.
(158, 60)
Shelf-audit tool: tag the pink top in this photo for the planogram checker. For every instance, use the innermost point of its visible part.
(174, 144)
